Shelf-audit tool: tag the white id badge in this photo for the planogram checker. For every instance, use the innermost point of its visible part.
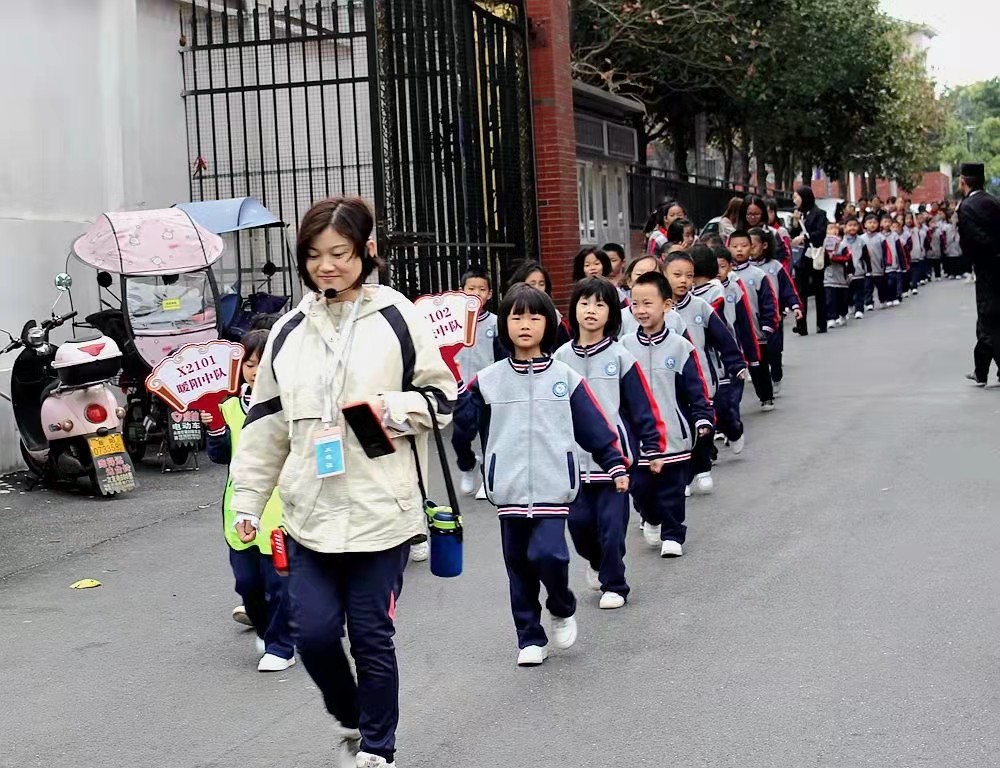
(328, 445)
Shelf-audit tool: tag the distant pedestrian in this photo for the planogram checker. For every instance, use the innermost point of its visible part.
(809, 230)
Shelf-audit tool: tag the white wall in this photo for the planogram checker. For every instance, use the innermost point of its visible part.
(92, 120)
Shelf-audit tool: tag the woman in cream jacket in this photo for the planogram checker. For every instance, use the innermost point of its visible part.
(349, 532)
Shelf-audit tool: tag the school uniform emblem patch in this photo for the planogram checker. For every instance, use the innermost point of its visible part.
(731, 298)
(611, 368)
(491, 332)
(670, 362)
(560, 389)
(750, 281)
(698, 319)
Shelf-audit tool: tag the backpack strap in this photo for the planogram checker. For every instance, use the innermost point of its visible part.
(409, 355)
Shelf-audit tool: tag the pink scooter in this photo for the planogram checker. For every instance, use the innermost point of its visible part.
(64, 406)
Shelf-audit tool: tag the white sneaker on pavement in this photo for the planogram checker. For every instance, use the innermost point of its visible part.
(468, 481)
(767, 405)
(532, 656)
(703, 483)
(611, 600)
(481, 493)
(240, 616)
(271, 663)
(563, 631)
(260, 645)
(366, 760)
(859, 315)
(777, 387)
(346, 752)
(739, 445)
(593, 579)
(651, 533)
(420, 552)
(671, 549)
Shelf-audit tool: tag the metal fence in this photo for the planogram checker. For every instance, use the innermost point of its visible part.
(703, 198)
(421, 106)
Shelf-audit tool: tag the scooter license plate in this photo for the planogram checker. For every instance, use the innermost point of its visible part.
(107, 445)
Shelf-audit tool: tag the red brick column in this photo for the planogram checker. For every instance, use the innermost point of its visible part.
(555, 141)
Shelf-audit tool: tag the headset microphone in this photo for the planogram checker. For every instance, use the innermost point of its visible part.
(330, 293)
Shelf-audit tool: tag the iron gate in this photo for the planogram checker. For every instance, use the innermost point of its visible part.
(421, 106)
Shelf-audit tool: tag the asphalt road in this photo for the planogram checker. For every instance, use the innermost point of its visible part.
(837, 606)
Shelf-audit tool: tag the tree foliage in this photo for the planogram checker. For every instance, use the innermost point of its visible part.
(972, 129)
(796, 83)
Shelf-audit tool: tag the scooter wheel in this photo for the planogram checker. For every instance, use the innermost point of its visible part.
(179, 456)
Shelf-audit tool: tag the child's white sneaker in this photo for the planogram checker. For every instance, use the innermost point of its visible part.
(420, 552)
(915, 291)
(532, 656)
(468, 482)
(859, 315)
(738, 445)
(611, 600)
(767, 405)
(271, 663)
(704, 483)
(260, 645)
(346, 751)
(240, 616)
(593, 579)
(563, 631)
(481, 493)
(651, 533)
(777, 387)
(870, 308)
(671, 549)
(366, 760)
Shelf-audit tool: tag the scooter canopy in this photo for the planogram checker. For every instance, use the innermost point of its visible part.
(159, 242)
(232, 215)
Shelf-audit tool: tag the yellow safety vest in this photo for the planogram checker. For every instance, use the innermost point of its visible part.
(232, 413)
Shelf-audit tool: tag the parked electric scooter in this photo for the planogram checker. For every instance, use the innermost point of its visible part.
(66, 413)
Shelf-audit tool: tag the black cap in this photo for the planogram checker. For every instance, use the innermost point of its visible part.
(973, 170)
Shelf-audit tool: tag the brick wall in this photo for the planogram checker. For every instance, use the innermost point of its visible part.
(934, 186)
(555, 141)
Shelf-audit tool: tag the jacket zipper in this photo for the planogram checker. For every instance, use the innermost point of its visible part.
(586, 369)
(531, 432)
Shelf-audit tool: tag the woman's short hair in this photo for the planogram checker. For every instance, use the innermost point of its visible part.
(521, 299)
(351, 218)
(603, 289)
(525, 269)
(581, 257)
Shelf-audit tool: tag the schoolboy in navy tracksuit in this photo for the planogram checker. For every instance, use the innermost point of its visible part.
(880, 259)
(718, 353)
(471, 360)
(711, 278)
(763, 250)
(670, 364)
(764, 306)
(598, 518)
(854, 248)
(535, 411)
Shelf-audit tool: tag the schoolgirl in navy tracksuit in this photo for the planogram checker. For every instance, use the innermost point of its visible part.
(670, 364)
(535, 411)
(598, 518)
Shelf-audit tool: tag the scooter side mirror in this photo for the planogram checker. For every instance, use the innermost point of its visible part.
(104, 279)
(63, 281)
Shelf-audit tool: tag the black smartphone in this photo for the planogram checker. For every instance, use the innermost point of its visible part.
(368, 429)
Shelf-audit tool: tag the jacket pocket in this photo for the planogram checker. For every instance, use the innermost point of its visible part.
(682, 422)
(491, 472)
(571, 466)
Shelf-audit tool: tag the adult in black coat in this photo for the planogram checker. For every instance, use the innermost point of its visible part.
(809, 229)
(979, 234)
